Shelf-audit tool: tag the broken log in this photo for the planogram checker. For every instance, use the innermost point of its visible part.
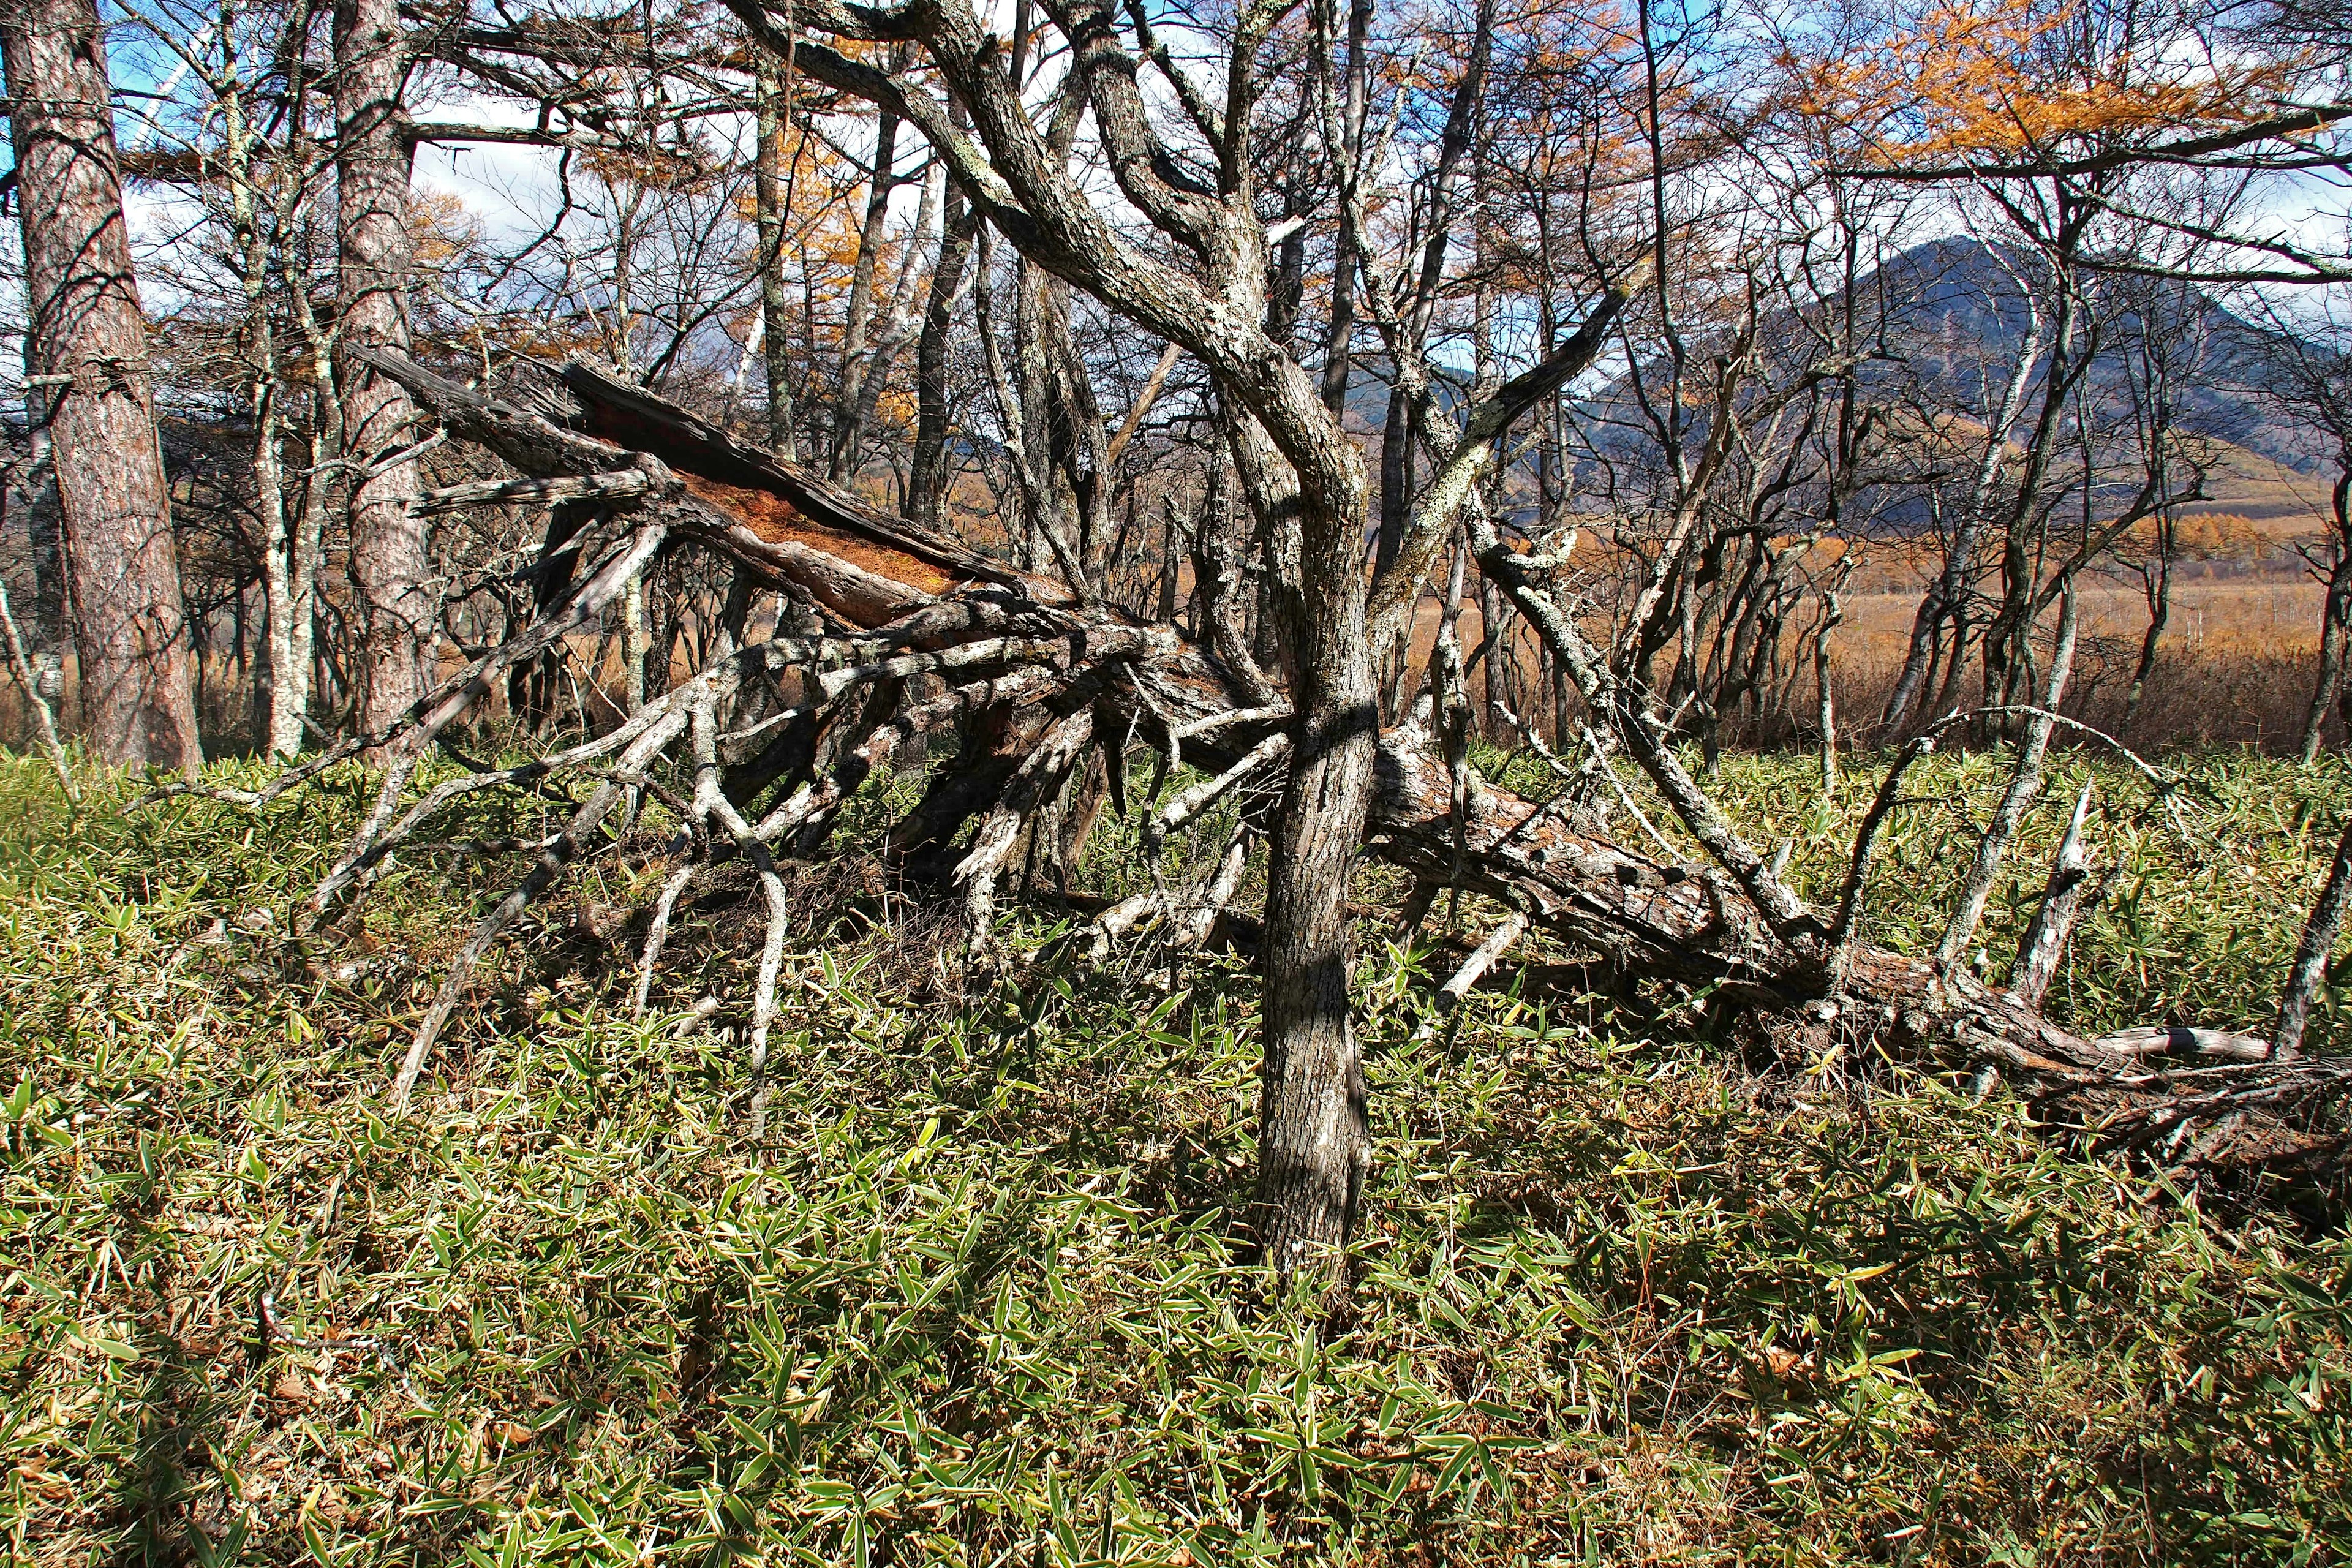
(1034, 681)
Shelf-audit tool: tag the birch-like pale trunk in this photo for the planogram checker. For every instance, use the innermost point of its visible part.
(282, 607)
(1939, 606)
(2025, 786)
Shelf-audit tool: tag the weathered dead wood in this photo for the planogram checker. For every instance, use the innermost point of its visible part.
(1473, 969)
(620, 486)
(2066, 898)
(2311, 954)
(1037, 682)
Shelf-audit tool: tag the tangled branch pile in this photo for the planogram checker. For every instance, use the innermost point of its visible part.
(887, 637)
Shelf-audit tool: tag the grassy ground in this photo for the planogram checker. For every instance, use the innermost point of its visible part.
(971, 1298)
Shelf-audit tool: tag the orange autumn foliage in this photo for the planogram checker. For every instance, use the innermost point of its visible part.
(2005, 79)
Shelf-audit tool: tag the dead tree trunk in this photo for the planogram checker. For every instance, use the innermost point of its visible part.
(86, 356)
(391, 561)
(1020, 659)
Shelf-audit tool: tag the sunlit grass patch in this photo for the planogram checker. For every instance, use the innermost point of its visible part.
(975, 1297)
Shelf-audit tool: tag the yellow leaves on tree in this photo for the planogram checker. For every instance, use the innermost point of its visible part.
(441, 227)
(2202, 536)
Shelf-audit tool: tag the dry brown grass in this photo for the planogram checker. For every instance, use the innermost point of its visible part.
(2235, 667)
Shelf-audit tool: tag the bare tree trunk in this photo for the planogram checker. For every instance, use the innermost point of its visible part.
(635, 645)
(2311, 956)
(1313, 1127)
(1492, 650)
(1825, 694)
(1340, 334)
(2009, 636)
(308, 542)
(289, 686)
(897, 319)
(926, 480)
(2160, 613)
(282, 608)
(1044, 423)
(1220, 544)
(87, 350)
(850, 384)
(1943, 597)
(2024, 785)
(391, 563)
(2335, 620)
(33, 489)
(770, 201)
(45, 724)
(1396, 477)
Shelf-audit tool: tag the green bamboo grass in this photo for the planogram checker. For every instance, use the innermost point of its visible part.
(975, 1301)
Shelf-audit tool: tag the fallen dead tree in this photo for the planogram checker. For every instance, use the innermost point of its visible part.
(887, 634)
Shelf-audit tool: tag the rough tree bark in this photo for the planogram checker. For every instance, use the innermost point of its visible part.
(390, 558)
(772, 200)
(929, 470)
(1313, 1125)
(86, 356)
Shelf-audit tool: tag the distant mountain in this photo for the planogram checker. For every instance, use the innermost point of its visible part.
(1967, 323)
(1961, 324)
